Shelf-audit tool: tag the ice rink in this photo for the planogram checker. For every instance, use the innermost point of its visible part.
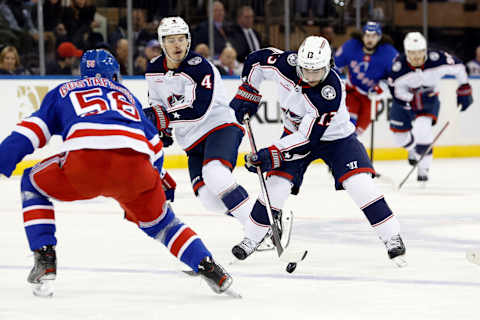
(108, 269)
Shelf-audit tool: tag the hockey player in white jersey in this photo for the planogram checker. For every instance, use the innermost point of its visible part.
(414, 84)
(317, 126)
(186, 93)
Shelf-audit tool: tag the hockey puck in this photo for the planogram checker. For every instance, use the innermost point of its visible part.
(291, 267)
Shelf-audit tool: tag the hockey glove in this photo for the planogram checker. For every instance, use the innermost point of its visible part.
(166, 137)
(168, 185)
(464, 96)
(161, 117)
(266, 159)
(375, 91)
(246, 101)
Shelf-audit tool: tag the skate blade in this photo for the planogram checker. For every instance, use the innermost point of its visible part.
(232, 293)
(473, 256)
(400, 261)
(44, 289)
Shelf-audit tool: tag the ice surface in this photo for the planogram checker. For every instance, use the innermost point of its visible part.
(108, 269)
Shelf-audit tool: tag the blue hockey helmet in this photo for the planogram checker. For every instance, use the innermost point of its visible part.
(372, 26)
(99, 63)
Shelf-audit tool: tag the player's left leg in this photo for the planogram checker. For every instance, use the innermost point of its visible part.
(353, 172)
(424, 137)
(155, 217)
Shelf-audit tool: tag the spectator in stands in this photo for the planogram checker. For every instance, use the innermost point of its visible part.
(67, 59)
(228, 64)
(203, 50)
(140, 65)
(78, 17)
(221, 30)
(60, 33)
(141, 35)
(328, 32)
(473, 66)
(245, 39)
(153, 49)
(121, 53)
(10, 61)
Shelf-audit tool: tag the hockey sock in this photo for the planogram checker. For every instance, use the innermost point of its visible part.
(404, 139)
(38, 215)
(424, 165)
(220, 181)
(210, 201)
(181, 241)
(365, 194)
(278, 191)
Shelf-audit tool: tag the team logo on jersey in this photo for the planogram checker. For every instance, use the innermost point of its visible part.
(328, 92)
(397, 66)
(292, 59)
(194, 61)
(434, 56)
(175, 99)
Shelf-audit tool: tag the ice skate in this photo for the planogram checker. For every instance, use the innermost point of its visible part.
(245, 248)
(422, 176)
(396, 250)
(44, 271)
(215, 276)
(412, 157)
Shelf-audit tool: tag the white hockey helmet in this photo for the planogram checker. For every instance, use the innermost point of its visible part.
(415, 47)
(171, 26)
(314, 59)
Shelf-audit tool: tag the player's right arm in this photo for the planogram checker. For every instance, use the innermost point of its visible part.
(31, 133)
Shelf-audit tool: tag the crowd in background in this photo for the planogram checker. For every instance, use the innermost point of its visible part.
(73, 28)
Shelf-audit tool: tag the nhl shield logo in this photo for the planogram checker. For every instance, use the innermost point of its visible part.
(328, 92)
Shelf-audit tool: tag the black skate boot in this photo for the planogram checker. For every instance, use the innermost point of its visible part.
(215, 276)
(396, 250)
(413, 157)
(245, 248)
(44, 271)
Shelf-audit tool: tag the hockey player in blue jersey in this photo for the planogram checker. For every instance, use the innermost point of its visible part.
(186, 94)
(368, 59)
(316, 126)
(109, 149)
(414, 80)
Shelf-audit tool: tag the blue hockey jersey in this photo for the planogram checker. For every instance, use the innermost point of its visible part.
(364, 70)
(310, 114)
(405, 80)
(90, 113)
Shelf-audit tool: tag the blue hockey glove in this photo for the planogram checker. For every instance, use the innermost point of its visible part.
(166, 137)
(246, 101)
(428, 97)
(266, 159)
(168, 185)
(464, 96)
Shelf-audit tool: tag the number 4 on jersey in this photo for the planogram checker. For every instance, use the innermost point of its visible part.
(207, 82)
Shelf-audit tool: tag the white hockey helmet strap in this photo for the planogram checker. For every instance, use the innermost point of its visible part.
(172, 26)
(314, 54)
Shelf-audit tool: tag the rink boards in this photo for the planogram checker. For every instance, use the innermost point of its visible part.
(23, 95)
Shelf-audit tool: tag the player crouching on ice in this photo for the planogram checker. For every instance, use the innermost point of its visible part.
(414, 83)
(317, 126)
(109, 149)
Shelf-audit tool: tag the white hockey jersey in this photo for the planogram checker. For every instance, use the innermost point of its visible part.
(406, 80)
(310, 114)
(193, 95)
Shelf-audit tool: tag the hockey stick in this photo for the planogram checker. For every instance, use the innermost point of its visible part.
(430, 146)
(284, 255)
